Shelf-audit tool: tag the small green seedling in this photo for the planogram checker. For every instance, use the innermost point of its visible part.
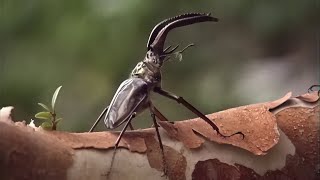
(49, 115)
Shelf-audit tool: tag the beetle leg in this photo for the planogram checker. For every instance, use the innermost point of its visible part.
(313, 86)
(124, 129)
(180, 100)
(99, 118)
(130, 126)
(164, 163)
(116, 144)
(160, 116)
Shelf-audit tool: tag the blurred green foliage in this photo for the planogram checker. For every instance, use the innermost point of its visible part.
(257, 52)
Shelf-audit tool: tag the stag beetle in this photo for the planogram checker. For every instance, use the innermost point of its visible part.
(132, 96)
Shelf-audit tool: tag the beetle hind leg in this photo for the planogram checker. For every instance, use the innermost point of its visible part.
(311, 88)
(180, 100)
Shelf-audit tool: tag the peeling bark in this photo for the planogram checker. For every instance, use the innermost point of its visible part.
(281, 142)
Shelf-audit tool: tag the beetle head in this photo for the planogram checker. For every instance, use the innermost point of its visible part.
(153, 59)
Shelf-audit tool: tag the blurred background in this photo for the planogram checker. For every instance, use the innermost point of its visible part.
(257, 52)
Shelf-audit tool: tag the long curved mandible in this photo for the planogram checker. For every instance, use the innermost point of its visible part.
(155, 31)
(161, 30)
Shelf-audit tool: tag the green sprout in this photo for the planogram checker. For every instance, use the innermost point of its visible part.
(49, 115)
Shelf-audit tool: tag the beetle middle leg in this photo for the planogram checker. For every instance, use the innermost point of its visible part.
(158, 114)
(193, 109)
(164, 163)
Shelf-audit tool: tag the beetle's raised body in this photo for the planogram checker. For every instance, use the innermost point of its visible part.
(132, 96)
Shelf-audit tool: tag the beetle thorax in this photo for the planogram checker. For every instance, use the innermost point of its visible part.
(148, 69)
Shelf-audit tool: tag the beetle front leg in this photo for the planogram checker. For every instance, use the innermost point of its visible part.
(116, 144)
(180, 100)
(99, 118)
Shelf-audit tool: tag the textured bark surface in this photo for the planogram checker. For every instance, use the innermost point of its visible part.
(281, 142)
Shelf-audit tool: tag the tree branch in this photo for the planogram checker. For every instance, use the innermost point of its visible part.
(281, 141)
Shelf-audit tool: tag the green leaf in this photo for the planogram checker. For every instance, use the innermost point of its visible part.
(54, 97)
(47, 125)
(44, 106)
(43, 115)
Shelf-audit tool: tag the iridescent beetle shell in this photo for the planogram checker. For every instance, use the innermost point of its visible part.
(131, 96)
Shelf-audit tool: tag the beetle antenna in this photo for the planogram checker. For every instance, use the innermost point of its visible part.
(166, 49)
(171, 51)
(167, 55)
(189, 45)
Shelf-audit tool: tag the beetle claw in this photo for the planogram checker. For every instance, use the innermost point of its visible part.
(311, 88)
(224, 136)
(164, 170)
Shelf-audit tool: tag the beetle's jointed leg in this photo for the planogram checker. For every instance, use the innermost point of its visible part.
(116, 144)
(193, 109)
(99, 118)
(130, 126)
(164, 163)
(311, 88)
(160, 116)
(124, 129)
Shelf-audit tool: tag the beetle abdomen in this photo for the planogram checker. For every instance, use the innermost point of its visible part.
(131, 95)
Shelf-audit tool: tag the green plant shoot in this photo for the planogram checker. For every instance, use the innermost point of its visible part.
(49, 115)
